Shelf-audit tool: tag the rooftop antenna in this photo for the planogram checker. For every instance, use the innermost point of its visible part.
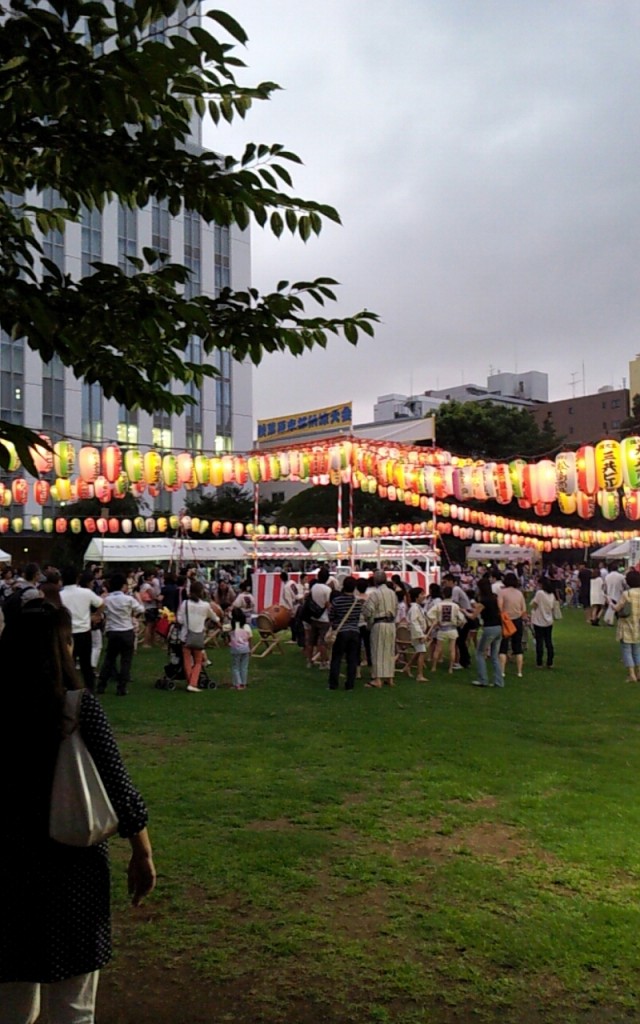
(572, 383)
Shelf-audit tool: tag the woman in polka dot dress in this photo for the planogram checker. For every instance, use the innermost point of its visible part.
(55, 932)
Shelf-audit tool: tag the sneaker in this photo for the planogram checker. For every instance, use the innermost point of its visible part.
(457, 667)
(192, 689)
(477, 682)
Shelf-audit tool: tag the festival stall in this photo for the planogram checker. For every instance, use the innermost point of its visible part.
(5, 556)
(500, 553)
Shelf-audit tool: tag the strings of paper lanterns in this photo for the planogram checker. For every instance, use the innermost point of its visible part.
(605, 476)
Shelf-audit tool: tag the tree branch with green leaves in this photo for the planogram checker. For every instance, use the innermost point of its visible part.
(96, 103)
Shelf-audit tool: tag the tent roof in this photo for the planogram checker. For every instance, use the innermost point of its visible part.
(501, 553)
(615, 549)
(164, 549)
(5, 556)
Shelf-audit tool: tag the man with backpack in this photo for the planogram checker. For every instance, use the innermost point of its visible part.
(316, 619)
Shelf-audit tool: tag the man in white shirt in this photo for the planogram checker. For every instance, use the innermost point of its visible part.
(119, 608)
(316, 629)
(80, 602)
(614, 587)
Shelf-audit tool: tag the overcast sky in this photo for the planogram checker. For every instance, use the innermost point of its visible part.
(484, 157)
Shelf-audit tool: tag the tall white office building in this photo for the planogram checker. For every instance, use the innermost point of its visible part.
(48, 397)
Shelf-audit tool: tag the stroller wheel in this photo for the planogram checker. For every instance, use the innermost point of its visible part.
(211, 685)
(159, 684)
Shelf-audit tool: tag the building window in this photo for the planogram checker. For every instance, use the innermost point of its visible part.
(604, 424)
(92, 403)
(570, 410)
(53, 395)
(160, 226)
(91, 240)
(162, 435)
(615, 424)
(193, 413)
(223, 395)
(11, 379)
(192, 253)
(53, 241)
(127, 239)
(615, 403)
(571, 430)
(222, 259)
(127, 428)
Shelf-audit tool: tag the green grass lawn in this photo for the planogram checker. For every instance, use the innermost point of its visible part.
(430, 853)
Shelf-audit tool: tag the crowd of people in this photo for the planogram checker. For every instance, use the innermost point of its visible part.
(492, 611)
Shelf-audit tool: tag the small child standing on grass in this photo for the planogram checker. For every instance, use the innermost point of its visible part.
(240, 647)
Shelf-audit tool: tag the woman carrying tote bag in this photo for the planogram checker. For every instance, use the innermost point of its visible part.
(54, 898)
(193, 615)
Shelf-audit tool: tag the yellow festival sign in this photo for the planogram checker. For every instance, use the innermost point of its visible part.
(333, 417)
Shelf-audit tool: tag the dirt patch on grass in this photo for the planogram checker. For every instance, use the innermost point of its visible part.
(271, 825)
(492, 840)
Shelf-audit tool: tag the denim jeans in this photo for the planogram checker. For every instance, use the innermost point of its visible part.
(489, 641)
(239, 668)
(630, 655)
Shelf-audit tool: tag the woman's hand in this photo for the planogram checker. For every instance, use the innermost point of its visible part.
(141, 873)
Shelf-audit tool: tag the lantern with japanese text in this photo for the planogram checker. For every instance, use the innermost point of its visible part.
(64, 457)
(17, 524)
(127, 526)
(609, 502)
(61, 525)
(547, 488)
(35, 523)
(120, 486)
(152, 465)
(184, 467)
(62, 489)
(586, 469)
(111, 462)
(609, 465)
(88, 463)
(102, 489)
(631, 504)
(75, 525)
(202, 469)
(215, 470)
(630, 456)
(134, 465)
(566, 473)
(170, 472)
(42, 457)
(41, 491)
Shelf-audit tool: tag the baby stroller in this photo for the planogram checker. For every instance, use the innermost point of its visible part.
(174, 669)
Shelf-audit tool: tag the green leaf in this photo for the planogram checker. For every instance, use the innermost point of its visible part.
(277, 224)
(230, 24)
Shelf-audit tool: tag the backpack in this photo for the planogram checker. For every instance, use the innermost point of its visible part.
(310, 609)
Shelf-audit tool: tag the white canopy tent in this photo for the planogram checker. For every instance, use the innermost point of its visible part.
(501, 553)
(378, 549)
(616, 549)
(5, 556)
(134, 550)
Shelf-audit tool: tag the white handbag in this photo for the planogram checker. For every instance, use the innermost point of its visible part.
(81, 813)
